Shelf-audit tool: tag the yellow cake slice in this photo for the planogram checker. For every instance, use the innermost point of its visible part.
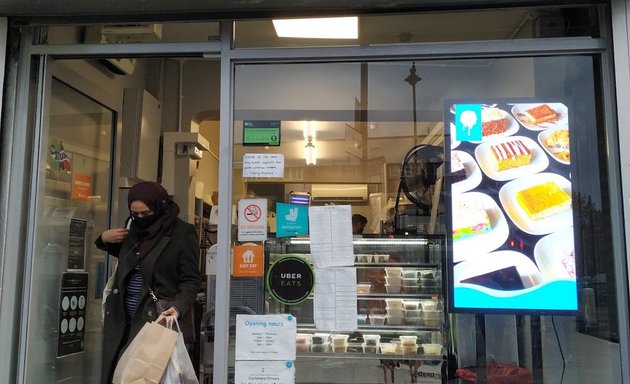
(543, 200)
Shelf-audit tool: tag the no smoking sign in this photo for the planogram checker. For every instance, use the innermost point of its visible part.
(252, 213)
(252, 220)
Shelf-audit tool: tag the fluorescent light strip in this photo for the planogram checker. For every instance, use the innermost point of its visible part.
(372, 241)
(319, 28)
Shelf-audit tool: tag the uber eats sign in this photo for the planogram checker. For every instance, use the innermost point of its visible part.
(290, 280)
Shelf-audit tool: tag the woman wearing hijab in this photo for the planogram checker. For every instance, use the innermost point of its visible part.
(158, 250)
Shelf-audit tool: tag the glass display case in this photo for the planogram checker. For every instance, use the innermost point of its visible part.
(400, 303)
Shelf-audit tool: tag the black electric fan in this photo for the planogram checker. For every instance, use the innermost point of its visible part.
(418, 177)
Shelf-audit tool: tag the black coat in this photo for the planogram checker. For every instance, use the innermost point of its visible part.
(171, 268)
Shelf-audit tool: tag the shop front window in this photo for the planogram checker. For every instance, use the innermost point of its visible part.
(369, 139)
(430, 27)
(68, 272)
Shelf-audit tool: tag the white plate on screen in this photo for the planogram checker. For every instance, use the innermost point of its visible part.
(473, 173)
(496, 261)
(512, 128)
(485, 242)
(539, 161)
(561, 111)
(552, 254)
(507, 196)
(541, 139)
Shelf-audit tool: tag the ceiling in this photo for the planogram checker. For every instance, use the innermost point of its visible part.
(217, 9)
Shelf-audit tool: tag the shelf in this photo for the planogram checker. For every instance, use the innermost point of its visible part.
(383, 329)
(370, 296)
(401, 264)
(379, 356)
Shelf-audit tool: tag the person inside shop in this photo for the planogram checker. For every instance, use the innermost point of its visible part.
(156, 252)
(358, 224)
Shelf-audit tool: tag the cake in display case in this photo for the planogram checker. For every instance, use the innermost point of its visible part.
(400, 304)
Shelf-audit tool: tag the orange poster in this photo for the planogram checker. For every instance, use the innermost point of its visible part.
(247, 261)
(81, 187)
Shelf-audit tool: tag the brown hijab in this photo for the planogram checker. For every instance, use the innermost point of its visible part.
(158, 200)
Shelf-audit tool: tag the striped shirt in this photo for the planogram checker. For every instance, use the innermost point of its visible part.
(132, 295)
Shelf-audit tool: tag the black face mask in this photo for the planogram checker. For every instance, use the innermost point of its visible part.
(144, 222)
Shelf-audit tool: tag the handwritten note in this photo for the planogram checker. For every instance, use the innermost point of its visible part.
(263, 165)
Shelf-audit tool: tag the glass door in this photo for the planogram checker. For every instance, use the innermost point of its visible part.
(73, 176)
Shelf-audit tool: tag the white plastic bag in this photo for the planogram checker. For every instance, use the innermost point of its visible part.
(179, 369)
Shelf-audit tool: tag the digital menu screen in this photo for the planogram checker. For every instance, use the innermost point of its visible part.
(509, 199)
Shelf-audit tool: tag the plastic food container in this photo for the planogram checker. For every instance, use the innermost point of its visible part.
(380, 258)
(370, 348)
(432, 349)
(410, 273)
(394, 320)
(427, 274)
(431, 315)
(364, 258)
(397, 312)
(355, 348)
(363, 288)
(412, 289)
(415, 313)
(339, 340)
(409, 282)
(361, 319)
(371, 340)
(414, 321)
(433, 323)
(320, 347)
(393, 271)
(411, 304)
(409, 349)
(302, 347)
(408, 340)
(393, 288)
(340, 348)
(320, 338)
(429, 305)
(302, 338)
(394, 303)
(393, 280)
(388, 348)
(377, 319)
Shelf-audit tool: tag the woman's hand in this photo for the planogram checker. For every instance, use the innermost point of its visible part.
(114, 235)
(172, 311)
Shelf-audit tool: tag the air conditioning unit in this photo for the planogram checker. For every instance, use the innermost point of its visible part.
(132, 33)
(339, 193)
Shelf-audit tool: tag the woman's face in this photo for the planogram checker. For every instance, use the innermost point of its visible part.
(140, 209)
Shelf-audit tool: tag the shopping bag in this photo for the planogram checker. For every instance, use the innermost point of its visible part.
(179, 369)
(109, 286)
(187, 324)
(146, 357)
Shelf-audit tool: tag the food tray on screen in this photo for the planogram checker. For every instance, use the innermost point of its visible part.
(485, 242)
(507, 196)
(555, 255)
(473, 173)
(484, 154)
(562, 119)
